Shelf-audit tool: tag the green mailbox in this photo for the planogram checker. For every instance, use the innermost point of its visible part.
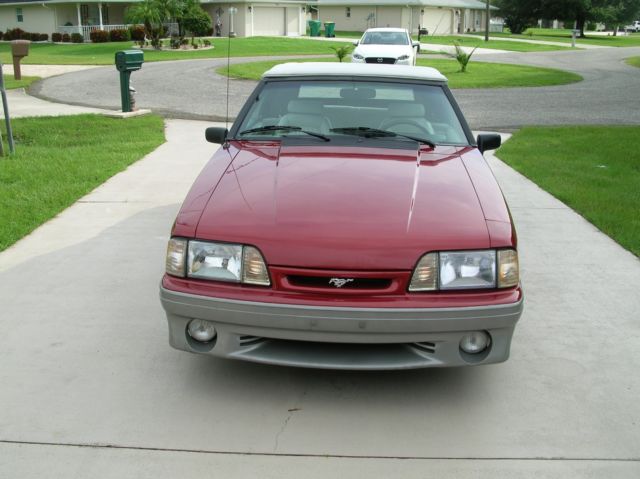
(127, 61)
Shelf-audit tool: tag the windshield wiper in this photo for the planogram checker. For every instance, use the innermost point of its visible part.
(284, 128)
(367, 132)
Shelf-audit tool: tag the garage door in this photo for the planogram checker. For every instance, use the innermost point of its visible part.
(293, 22)
(268, 21)
(437, 21)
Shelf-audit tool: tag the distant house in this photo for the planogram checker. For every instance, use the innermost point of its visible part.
(439, 17)
(253, 18)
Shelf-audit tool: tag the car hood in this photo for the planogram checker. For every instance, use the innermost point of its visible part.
(392, 51)
(345, 207)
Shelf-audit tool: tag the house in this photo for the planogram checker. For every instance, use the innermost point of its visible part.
(252, 18)
(260, 18)
(439, 17)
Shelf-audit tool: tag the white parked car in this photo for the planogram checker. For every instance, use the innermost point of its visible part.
(386, 45)
(635, 27)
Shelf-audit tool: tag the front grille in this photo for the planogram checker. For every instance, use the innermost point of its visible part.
(339, 283)
(382, 60)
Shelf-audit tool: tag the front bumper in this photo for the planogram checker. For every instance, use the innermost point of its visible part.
(340, 337)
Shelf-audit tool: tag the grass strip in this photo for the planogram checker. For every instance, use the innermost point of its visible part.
(478, 75)
(60, 159)
(593, 169)
(633, 61)
(104, 53)
(564, 36)
(24, 82)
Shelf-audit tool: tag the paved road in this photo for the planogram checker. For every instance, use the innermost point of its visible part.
(89, 386)
(610, 92)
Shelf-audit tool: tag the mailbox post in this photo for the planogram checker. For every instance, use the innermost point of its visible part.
(19, 50)
(127, 61)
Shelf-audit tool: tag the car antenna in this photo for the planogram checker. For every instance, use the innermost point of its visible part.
(226, 120)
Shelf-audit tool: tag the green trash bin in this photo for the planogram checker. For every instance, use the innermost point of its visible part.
(329, 29)
(314, 28)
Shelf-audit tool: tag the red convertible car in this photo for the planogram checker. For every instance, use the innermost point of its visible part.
(349, 221)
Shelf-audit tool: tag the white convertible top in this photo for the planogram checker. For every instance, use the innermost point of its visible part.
(354, 69)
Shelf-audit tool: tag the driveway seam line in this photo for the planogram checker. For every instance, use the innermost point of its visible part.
(334, 456)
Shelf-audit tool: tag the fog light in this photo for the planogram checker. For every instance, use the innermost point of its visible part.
(201, 330)
(475, 342)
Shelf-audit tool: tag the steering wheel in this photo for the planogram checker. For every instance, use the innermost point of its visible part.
(409, 122)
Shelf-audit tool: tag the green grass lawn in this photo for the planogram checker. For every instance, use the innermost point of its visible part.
(469, 42)
(479, 75)
(593, 169)
(24, 82)
(103, 53)
(564, 36)
(633, 61)
(492, 43)
(60, 159)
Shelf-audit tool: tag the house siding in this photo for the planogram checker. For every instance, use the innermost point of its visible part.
(37, 19)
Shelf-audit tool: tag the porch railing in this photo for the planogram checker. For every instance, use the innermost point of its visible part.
(85, 30)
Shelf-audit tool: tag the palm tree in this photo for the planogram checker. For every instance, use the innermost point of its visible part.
(152, 14)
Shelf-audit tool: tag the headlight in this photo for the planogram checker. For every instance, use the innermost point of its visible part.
(451, 270)
(468, 269)
(214, 261)
(403, 57)
(357, 56)
(235, 263)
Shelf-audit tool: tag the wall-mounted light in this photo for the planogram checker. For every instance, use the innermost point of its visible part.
(422, 11)
(249, 8)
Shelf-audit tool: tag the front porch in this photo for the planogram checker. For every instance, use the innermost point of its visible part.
(84, 18)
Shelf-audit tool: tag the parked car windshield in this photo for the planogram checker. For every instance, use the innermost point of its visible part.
(385, 38)
(328, 106)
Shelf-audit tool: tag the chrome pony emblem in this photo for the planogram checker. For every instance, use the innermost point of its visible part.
(340, 282)
(379, 60)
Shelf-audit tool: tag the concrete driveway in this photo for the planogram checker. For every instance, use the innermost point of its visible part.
(609, 94)
(89, 386)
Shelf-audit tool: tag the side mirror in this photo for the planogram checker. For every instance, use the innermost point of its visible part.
(216, 135)
(416, 45)
(488, 142)
(355, 43)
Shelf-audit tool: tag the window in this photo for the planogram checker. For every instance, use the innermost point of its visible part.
(84, 14)
(19, 15)
(348, 12)
(411, 108)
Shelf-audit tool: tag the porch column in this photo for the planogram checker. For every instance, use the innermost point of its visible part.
(100, 14)
(79, 19)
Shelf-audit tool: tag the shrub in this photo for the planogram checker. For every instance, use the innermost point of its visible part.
(56, 37)
(66, 38)
(120, 35)
(462, 57)
(44, 37)
(15, 34)
(77, 38)
(98, 36)
(137, 33)
(1, 34)
(341, 52)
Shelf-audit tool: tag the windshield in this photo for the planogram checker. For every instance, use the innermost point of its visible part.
(335, 107)
(385, 38)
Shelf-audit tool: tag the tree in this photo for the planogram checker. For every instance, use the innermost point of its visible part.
(196, 21)
(519, 14)
(152, 14)
(616, 13)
